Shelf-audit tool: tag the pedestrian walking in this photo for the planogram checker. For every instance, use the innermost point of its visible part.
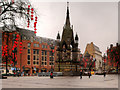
(14, 73)
(104, 74)
(80, 74)
(51, 75)
(89, 74)
(18, 73)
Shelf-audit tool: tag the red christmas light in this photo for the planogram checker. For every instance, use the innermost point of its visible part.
(17, 36)
(5, 46)
(20, 46)
(31, 18)
(15, 42)
(35, 29)
(20, 49)
(86, 59)
(36, 18)
(21, 43)
(52, 51)
(114, 58)
(5, 51)
(104, 60)
(116, 52)
(35, 32)
(32, 12)
(16, 39)
(31, 15)
(28, 6)
(15, 46)
(108, 57)
(32, 9)
(111, 50)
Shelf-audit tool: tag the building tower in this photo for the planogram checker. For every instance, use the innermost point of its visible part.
(67, 46)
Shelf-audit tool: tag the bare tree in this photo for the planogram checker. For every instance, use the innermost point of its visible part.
(13, 12)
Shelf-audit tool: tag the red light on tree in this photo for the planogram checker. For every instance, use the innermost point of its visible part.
(35, 32)
(6, 54)
(86, 59)
(20, 43)
(16, 39)
(17, 36)
(52, 51)
(20, 49)
(104, 60)
(36, 18)
(28, 6)
(20, 46)
(32, 9)
(32, 13)
(111, 50)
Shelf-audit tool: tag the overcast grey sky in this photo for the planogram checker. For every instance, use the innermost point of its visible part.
(95, 22)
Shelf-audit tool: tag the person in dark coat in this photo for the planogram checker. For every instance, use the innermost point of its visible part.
(51, 75)
(104, 74)
(89, 74)
(80, 74)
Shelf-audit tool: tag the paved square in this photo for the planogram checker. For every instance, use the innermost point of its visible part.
(96, 81)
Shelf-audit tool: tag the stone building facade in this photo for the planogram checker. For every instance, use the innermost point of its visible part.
(67, 48)
(94, 51)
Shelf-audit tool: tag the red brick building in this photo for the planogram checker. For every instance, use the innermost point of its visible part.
(37, 54)
(113, 58)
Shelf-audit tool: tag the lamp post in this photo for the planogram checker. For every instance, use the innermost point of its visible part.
(52, 48)
(104, 62)
(59, 58)
(20, 54)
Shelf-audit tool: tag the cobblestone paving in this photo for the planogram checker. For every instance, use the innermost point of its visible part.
(96, 81)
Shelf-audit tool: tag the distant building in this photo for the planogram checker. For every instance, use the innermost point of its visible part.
(94, 51)
(89, 63)
(113, 58)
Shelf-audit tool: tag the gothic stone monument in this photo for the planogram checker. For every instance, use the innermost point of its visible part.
(67, 49)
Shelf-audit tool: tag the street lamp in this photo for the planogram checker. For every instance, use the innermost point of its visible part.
(52, 48)
(104, 64)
